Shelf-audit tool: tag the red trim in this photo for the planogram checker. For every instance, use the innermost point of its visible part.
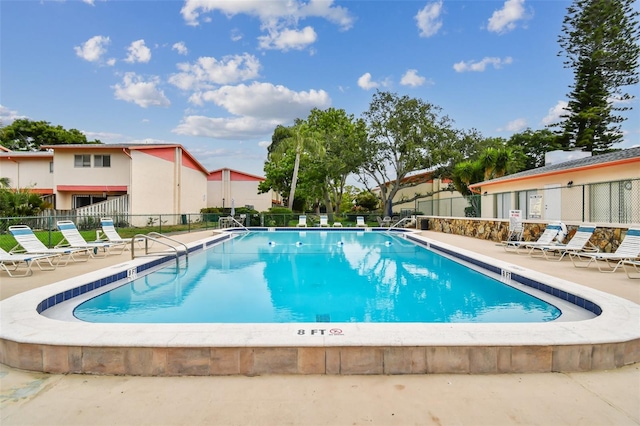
(234, 175)
(189, 162)
(92, 188)
(169, 154)
(215, 175)
(164, 153)
(239, 176)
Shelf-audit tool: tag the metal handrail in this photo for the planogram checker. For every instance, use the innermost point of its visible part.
(148, 237)
(233, 219)
(404, 219)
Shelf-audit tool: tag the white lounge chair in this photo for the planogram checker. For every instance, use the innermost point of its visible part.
(360, 223)
(628, 250)
(111, 234)
(634, 268)
(302, 221)
(72, 238)
(550, 233)
(579, 244)
(11, 262)
(324, 220)
(28, 243)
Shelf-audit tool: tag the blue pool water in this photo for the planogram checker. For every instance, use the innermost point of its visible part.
(315, 276)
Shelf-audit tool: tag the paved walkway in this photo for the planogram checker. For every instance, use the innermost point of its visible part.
(593, 398)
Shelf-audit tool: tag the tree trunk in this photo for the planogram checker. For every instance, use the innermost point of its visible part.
(294, 179)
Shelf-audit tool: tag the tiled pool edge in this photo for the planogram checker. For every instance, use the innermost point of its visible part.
(561, 294)
(251, 361)
(192, 350)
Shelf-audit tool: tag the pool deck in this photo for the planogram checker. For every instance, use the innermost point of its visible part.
(596, 397)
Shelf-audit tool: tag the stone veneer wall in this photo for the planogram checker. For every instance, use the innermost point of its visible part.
(606, 239)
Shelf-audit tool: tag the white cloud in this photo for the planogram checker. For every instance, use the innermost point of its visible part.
(8, 116)
(365, 82)
(236, 34)
(504, 20)
(411, 78)
(143, 93)
(235, 128)
(138, 52)
(266, 101)
(288, 39)
(264, 144)
(516, 125)
(428, 19)
(208, 70)
(269, 12)
(554, 113)
(93, 49)
(180, 47)
(482, 65)
(279, 19)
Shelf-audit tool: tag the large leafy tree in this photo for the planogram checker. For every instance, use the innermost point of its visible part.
(340, 135)
(290, 148)
(531, 146)
(404, 135)
(302, 139)
(27, 135)
(600, 42)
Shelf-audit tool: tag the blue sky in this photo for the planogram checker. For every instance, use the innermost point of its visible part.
(218, 76)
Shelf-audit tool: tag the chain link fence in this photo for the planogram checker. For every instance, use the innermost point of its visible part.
(45, 227)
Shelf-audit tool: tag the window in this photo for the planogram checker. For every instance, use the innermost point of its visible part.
(82, 161)
(50, 166)
(503, 205)
(101, 161)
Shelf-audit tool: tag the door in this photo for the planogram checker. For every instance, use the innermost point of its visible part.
(552, 202)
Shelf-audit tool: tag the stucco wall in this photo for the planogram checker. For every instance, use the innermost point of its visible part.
(27, 172)
(165, 186)
(65, 173)
(243, 192)
(193, 190)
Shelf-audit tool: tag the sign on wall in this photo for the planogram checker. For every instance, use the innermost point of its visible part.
(535, 206)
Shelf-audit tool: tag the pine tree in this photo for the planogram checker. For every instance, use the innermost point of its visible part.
(600, 42)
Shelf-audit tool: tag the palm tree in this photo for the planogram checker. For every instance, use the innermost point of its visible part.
(302, 139)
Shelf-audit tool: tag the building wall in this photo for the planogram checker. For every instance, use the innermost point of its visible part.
(570, 195)
(430, 187)
(28, 172)
(225, 185)
(102, 179)
(163, 184)
(192, 188)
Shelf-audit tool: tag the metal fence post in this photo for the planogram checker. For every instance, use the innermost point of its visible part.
(50, 228)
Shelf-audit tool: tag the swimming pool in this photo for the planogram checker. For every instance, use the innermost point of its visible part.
(38, 332)
(316, 276)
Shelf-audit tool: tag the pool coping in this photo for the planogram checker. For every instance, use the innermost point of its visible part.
(31, 341)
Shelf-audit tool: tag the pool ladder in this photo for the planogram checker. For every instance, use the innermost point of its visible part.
(230, 220)
(401, 221)
(156, 237)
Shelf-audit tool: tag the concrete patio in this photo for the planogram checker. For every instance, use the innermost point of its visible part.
(593, 398)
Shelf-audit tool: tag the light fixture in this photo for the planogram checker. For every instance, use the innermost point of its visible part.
(570, 183)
